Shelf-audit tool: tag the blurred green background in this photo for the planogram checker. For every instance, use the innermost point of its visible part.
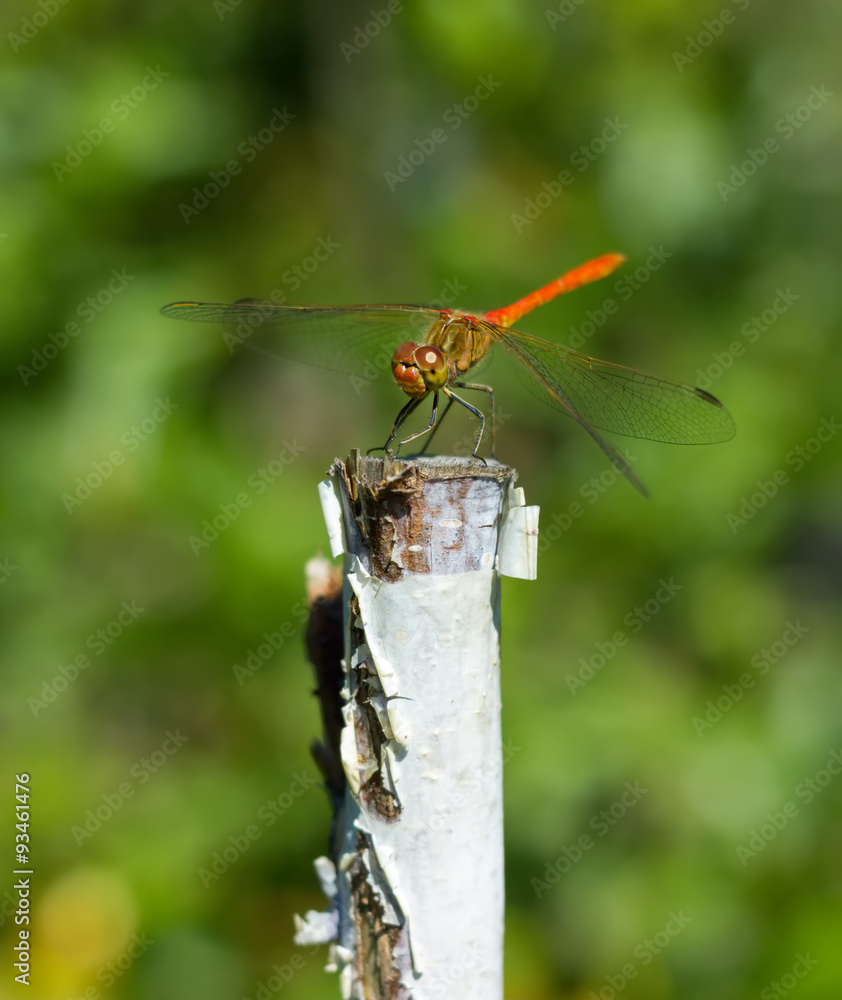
(672, 120)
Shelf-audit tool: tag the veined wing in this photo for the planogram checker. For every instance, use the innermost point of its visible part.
(617, 399)
(352, 340)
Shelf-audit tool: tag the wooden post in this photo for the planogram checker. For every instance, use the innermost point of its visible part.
(415, 875)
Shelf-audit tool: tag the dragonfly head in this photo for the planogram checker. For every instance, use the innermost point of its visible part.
(419, 369)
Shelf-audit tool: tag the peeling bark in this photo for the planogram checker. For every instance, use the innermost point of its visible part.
(416, 873)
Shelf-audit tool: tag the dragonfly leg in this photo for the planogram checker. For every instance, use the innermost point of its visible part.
(405, 412)
(490, 391)
(429, 427)
(477, 413)
(433, 433)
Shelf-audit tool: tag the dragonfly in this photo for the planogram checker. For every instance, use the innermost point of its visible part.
(447, 344)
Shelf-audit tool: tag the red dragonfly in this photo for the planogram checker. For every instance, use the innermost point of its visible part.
(598, 395)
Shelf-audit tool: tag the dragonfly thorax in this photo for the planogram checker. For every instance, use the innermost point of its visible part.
(460, 338)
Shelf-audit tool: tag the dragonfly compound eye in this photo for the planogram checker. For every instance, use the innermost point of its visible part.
(432, 365)
(405, 370)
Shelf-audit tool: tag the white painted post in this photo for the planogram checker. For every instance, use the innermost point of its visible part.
(416, 873)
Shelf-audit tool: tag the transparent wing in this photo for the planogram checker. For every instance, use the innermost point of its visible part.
(617, 399)
(353, 340)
